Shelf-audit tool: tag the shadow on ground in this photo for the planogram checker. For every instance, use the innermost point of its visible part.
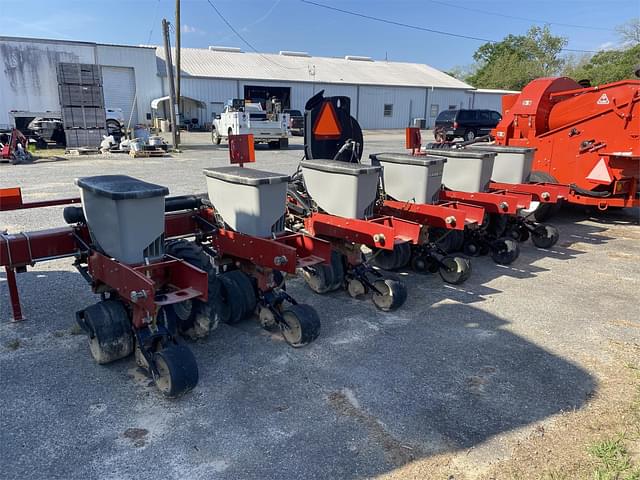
(374, 392)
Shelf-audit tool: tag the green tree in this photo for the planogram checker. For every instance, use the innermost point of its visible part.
(607, 66)
(518, 59)
(610, 65)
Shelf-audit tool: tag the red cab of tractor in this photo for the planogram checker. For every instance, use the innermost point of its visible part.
(585, 138)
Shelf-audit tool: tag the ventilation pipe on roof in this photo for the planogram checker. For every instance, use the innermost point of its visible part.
(215, 48)
(358, 58)
(287, 53)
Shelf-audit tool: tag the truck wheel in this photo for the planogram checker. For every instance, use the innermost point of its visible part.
(284, 143)
(274, 145)
(215, 137)
(545, 210)
(469, 135)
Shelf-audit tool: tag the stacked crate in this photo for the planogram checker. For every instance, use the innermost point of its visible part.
(82, 104)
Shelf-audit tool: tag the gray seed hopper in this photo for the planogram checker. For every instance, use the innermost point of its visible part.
(511, 165)
(125, 216)
(250, 201)
(344, 189)
(411, 178)
(465, 170)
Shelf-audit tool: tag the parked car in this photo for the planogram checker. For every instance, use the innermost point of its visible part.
(467, 124)
(296, 122)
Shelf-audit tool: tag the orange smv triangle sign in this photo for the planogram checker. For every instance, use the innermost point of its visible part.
(327, 126)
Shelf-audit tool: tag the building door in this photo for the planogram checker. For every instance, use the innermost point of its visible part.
(119, 85)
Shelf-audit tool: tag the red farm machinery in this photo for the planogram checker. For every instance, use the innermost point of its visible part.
(585, 138)
(130, 243)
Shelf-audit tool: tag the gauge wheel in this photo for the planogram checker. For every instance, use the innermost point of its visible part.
(301, 325)
(109, 328)
(389, 294)
(176, 370)
(455, 270)
(505, 251)
(545, 236)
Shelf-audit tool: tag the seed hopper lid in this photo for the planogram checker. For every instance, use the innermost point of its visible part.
(406, 159)
(334, 166)
(245, 176)
(461, 153)
(500, 148)
(121, 187)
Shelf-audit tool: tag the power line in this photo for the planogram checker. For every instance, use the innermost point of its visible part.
(513, 17)
(416, 27)
(246, 42)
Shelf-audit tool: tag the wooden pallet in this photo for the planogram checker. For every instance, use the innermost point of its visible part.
(82, 151)
(158, 152)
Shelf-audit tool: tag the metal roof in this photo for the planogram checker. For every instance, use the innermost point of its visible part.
(196, 62)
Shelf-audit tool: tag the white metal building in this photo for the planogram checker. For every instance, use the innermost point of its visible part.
(28, 79)
(383, 94)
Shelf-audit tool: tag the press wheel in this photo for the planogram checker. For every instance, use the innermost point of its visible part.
(301, 325)
(389, 294)
(176, 370)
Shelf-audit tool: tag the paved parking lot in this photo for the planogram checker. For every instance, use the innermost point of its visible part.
(461, 373)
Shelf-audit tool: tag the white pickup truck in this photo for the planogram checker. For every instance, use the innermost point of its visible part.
(239, 118)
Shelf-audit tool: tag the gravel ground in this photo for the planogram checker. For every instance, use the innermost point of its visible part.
(455, 369)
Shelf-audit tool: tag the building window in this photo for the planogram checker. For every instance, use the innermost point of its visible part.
(453, 107)
(388, 110)
(434, 109)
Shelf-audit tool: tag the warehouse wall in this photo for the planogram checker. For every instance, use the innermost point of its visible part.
(28, 79)
(492, 101)
(407, 104)
(442, 98)
(143, 61)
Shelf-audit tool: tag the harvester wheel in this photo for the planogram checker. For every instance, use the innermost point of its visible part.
(545, 210)
(176, 370)
(195, 318)
(545, 236)
(109, 328)
(301, 325)
(393, 294)
(504, 251)
(455, 270)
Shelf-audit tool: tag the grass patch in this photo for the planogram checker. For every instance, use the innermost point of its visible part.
(49, 152)
(613, 460)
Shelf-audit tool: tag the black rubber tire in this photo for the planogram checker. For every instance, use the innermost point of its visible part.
(393, 259)
(215, 138)
(472, 248)
(204, 316)
(449, 241)
(423, 264)
(233, 301)
(455, 270)
(177, 370)
(319, 278)
(304, 323)
(439, 134)
(496, 224)
(247, 289)
(284, 143)
(545, 210)
(109, 328)
(394, 296)
(518, 231)
(470, 135)
(504, 251)
(274, 145)
(338, 269)
(545, 236)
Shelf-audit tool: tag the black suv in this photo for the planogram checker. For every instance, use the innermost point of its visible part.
(467, 124)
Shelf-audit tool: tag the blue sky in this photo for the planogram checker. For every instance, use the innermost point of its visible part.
(274, 25)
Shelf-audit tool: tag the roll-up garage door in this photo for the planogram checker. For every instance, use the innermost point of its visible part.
(119, 84)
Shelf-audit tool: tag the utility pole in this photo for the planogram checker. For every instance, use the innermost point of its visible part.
(172, 90)
(177, 25)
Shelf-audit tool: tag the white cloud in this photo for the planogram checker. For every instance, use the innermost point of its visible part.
(607, 46)
(191, 29)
